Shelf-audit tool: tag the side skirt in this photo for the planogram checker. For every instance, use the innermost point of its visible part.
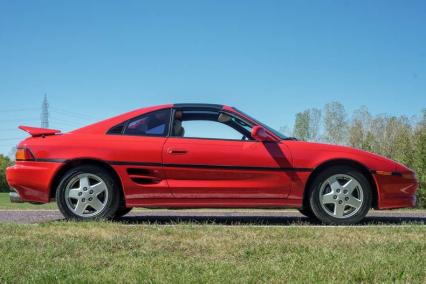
(176, 203)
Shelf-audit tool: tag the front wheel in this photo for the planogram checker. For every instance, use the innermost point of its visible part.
(122, 211)
(340, 195)
(87, 193)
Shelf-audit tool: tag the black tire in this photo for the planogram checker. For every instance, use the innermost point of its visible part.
(307, 213)
(320, 210)
(112, 191)
(122, 211)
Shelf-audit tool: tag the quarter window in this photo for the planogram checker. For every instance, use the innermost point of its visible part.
(151, 124)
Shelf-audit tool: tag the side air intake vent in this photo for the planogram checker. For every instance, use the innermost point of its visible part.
(138, 171)
(144, 176)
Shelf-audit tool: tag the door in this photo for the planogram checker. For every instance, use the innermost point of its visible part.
(211, 155)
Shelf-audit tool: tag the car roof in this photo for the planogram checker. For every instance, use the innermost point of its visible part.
(199, 105)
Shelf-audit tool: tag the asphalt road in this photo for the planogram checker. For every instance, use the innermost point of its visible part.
(224, 217)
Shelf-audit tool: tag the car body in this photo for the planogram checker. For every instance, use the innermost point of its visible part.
(157, 165)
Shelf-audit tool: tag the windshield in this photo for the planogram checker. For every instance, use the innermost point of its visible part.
(276, 132)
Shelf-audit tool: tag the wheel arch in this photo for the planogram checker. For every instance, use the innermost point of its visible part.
(341, 162)
(78, 162)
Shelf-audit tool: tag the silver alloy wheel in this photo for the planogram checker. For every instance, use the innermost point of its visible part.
(341, 196)
(86, 195)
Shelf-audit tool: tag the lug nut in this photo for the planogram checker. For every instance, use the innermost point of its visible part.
(84, 188)
(90, 198)
(83, 200)
(91, 191)
(337, 190)
(346, 198)
(335, 197)
(340, 201)
(345, 191)
(80, 193)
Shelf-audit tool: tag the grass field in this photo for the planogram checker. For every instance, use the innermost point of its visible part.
(196, 253)
(188, 253)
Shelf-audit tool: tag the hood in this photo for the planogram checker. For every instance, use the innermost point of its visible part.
(322, 152)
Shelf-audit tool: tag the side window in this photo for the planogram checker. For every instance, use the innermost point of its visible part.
(209, 125)
(210, 129)
(151, 124)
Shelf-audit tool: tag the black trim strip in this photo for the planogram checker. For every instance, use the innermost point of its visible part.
(121, 163)
(198, 106)
(194, 166)
(50, 160)
(202, 166)
(226, 167)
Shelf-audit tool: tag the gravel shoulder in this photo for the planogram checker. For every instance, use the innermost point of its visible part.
(225, 217)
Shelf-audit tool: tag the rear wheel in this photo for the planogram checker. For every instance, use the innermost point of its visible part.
(87, 193)
(307, 213)
(340, 195)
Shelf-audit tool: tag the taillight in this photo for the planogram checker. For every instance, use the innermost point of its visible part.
(24, 154)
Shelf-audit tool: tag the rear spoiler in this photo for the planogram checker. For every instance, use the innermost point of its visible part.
(36, 131)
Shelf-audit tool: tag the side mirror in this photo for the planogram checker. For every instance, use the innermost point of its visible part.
(259, 133)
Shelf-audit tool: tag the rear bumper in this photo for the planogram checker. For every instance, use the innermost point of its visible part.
(32, 180)
(15, 197)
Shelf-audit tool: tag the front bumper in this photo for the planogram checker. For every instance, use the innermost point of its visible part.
(396, 191)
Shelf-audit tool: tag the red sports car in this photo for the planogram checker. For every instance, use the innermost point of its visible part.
(201, 156)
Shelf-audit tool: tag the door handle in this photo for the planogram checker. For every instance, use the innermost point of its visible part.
(173, 151)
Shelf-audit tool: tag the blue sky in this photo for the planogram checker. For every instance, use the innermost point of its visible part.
(272, 59)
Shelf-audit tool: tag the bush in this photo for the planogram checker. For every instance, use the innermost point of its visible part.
(4, 163)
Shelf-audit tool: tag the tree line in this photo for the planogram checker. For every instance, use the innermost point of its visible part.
(4, 163)
(400, 138)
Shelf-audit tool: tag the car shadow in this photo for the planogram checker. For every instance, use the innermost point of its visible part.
(257, 220)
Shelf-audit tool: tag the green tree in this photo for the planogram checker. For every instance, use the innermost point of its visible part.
(314, 124)
(4, 163)
(359, 129)
(420, 159)
(307, 125)
(403, 141)
(335, 125)
(301, 126)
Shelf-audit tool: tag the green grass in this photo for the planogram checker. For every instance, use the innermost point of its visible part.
(188, 253)
(6, 204)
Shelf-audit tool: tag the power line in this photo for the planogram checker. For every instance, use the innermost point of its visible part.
(18, 119)
(67, 121)
(18, 109)
(9, 129)
(66, 117)
(72, 113)
(71, 116)
(10, 139)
